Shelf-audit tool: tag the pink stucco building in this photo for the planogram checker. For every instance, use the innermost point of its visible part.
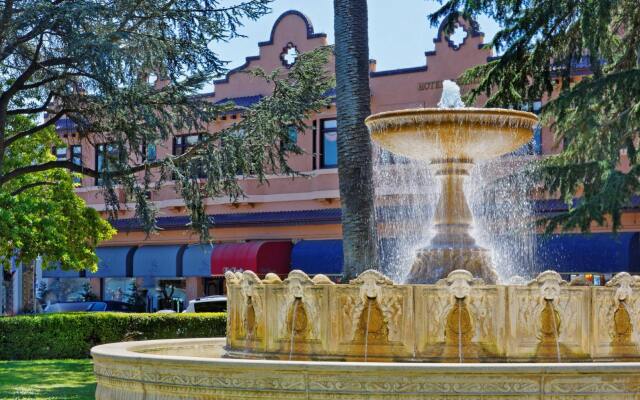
(292, 222)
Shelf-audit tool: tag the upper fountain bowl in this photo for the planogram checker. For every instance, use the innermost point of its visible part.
(452, 133)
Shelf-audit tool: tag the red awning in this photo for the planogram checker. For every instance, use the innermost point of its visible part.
(260, 257)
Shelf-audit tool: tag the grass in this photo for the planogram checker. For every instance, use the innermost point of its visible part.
(47, 379)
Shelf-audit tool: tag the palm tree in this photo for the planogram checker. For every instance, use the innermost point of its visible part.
(354, 144)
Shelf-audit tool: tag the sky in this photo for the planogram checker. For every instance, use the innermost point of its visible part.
(399, 32)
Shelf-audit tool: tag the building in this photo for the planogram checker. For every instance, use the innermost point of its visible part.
(292, 222)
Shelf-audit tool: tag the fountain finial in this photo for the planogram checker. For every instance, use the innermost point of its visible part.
(450, 95)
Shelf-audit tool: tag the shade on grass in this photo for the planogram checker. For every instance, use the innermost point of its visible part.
(47, 379)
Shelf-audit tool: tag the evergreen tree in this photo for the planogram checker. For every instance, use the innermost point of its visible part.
(596, 119)
(95, 62)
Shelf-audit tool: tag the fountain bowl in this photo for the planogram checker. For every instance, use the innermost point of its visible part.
(452, 133)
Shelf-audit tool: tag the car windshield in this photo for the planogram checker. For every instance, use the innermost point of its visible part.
(210, 306)
(99, 306)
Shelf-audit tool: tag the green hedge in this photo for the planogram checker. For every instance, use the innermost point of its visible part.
(72, 335)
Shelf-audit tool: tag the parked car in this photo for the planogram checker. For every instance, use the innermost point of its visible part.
(207, 304)
(90, 306)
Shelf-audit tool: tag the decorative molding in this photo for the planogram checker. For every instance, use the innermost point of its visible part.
(310, 35)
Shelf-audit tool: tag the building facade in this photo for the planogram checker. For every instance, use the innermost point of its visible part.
(294, 222)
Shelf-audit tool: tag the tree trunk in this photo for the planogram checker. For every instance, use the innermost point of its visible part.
(354, 144)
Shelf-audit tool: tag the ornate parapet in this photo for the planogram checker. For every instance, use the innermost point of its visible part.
(457, 319)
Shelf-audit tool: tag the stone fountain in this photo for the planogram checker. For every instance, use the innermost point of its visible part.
(451, 331)
(451, 138)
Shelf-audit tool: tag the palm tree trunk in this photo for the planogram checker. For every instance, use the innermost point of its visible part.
(353, 103)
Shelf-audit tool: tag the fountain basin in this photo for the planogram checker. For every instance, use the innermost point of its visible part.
(452, 133)
(195, 368)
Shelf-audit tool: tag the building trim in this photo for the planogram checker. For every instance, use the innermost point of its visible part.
(399, 71)
(310, 35)
(310, 32)
(275, 218)
(267, 198)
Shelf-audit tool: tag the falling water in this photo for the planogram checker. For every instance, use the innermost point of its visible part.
(498, 192)
(460, 330)
(555, 331)
(366, 330)
(293, 327)
(406, 195)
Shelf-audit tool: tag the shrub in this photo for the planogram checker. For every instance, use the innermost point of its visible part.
(73, 335)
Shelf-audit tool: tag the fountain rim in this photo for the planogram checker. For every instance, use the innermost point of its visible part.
(127, 351)
(421, 115)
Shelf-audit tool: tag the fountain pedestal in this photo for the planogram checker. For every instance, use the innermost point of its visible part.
(452, 247)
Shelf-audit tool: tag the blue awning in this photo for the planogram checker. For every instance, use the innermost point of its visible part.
(318, 257)
(196, 260)
(158, 261)
(114, 262)
(596, 252)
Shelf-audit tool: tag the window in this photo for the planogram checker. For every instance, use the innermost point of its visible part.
(536, 107)
(537, 139)
(119, 289)
(151, 154)
(170, 294)
(183, 143)
(61, 153)
(64, 289)
(107, 156)
(76, 158)
(289, 55)
(458, 36)
(329, 143)
(314, 141)
(293, 139)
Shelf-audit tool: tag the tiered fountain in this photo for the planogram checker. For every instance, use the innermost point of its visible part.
(451, 330)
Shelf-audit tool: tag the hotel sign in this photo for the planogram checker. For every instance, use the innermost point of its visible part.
(433, 85)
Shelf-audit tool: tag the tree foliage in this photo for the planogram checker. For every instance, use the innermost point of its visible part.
(95, 62)
(40, 214)
(597, 119)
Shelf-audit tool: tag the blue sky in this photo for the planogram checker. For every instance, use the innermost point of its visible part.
(399, 32)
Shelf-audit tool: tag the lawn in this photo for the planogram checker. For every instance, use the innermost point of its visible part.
(47, 379)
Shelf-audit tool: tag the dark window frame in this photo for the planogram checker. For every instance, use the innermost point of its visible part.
(314, 145)
(76, 158)
(184, 147)
(64, 157)
(98, 147)
(322, 132)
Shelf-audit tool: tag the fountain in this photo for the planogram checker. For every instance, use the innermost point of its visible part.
(451, 330)
(451, 138)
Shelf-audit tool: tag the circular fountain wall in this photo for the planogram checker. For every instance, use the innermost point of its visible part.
(196, 369)
(311, 339)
